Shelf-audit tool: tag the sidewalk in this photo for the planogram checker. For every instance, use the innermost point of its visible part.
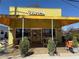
(41, 56)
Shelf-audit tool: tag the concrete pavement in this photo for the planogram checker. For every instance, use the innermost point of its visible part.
(41, 56)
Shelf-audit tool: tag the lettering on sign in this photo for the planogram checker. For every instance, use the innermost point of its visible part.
(33, 13)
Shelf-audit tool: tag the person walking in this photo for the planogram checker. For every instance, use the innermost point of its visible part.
(70, 45)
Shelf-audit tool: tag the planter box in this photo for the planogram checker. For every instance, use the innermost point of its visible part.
(75, 50)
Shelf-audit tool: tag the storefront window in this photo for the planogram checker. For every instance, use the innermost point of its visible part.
(47, 32)
(54, 33)
(19, 33)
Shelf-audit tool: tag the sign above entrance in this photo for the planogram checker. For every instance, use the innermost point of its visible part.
(35, 11)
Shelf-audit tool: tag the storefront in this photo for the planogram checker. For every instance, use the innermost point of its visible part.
(38, 28)
(38, 24)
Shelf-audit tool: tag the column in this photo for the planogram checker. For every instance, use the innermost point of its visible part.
(22, 28)
(52, 27)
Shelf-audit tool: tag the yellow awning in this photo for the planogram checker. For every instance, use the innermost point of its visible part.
(50, 17)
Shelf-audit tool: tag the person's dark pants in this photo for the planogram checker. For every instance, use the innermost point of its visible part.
(71, 49)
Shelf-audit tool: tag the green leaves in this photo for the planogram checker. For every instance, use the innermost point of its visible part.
(24, 46)
(51, 46)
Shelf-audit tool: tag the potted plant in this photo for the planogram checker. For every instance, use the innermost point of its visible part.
(75, 44)
(24, 46)
(51, 47)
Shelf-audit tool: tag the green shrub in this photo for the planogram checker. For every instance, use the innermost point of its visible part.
(51, 47)
(68, 36)
(75, 42)
(24, 46)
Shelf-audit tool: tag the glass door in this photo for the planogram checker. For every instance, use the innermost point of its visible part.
(36, 37)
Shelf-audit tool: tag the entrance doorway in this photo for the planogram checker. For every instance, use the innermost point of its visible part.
(40, 37)
(36, 38)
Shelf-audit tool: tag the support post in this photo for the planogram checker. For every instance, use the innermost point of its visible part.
(22, 28)
(52, 27)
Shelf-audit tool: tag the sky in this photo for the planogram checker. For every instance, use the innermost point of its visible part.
(73, 26)
(67, 9)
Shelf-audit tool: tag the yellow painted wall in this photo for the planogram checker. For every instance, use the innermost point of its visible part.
(16, 23)
(25, 11)
(32, 23)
